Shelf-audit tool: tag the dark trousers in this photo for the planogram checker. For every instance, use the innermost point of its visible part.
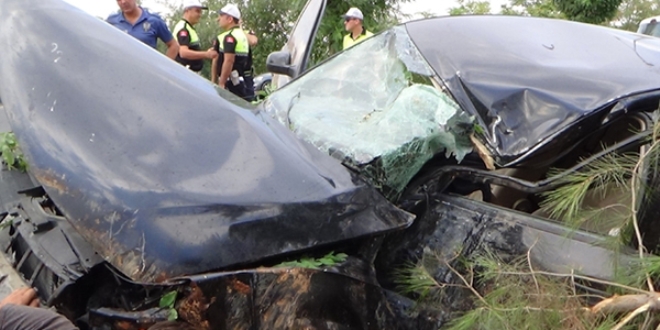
(238, 90)
(249, 88)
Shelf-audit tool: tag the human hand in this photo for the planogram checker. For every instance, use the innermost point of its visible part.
(211, 54)
(22, 296)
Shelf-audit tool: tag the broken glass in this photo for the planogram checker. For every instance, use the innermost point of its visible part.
(378, 108)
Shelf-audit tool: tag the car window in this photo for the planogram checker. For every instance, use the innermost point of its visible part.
(375, 106)
(652, 29)
(301, 39)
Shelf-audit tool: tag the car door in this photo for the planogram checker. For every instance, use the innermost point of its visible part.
(292, 60)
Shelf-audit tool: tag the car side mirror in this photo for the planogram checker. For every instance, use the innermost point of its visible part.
(280, 63)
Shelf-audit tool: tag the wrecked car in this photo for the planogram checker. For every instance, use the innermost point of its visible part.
(151, 195)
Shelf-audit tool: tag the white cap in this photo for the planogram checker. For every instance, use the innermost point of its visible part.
(354, 13)
(193, 4)
(230, 10)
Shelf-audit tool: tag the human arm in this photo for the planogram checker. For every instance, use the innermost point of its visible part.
(214, 71)
(183, 38)
(229, 56)
(172, 49)
(227, 65)
(252, 39)
(22, 296)
(165, 35)
(214, 62)
(19, 311)
(190, 54)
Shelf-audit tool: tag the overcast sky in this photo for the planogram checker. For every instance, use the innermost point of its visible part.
(103, 8)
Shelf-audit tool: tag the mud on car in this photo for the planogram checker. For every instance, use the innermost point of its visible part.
(151, 195)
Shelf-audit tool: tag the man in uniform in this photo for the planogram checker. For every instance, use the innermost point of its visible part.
(228, 69)
(190, 49)
(144, 26)
(353, 20)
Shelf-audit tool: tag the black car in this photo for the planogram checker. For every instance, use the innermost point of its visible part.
(437, 134)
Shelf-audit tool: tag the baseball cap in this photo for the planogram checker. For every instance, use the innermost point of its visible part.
(230, 10)
(193, 4)
(354, 13)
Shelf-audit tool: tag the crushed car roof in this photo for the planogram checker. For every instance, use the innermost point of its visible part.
(528, 78)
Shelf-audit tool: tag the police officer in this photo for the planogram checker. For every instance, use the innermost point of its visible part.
(190, 49)
(144, 26)
(353, 20)
(228, 69)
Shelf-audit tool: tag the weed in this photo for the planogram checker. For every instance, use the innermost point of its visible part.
(167, 302)
(330, 259)
(11, 153)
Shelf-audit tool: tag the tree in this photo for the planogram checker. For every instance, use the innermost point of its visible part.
(536, 8)
(470, 7)
(378, 15)
(588, 11)
(631, 12)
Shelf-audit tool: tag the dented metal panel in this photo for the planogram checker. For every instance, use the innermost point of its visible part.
(529, 79)
(163, 175)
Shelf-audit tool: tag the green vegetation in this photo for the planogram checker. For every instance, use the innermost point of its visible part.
(623, 14)
(6, 223)
(11, 153)
(167, 302)
(470, 7)
(508, 293)
(329, 260)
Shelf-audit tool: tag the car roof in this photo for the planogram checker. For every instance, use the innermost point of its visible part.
(648, 20)
(528, 78)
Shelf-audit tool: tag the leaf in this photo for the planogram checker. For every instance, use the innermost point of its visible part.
(5, 224)
(173, 315)
(167, 300)
(327, 261)
(9, 158)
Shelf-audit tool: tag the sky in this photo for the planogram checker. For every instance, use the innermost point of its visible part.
(103, 8)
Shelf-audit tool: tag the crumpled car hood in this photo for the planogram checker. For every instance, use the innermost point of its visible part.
(528, 79)
(160, 173)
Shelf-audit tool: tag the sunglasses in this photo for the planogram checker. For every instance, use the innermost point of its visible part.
(347, 20)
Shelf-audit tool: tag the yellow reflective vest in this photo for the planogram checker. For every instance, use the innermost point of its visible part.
(350, 42)
(194, 44)
(242, 45)
(241, 50)
(194, 38)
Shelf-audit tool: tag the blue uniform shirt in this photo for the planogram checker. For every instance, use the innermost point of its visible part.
(148, 28)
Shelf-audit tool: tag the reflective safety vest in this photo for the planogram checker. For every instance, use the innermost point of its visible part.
(241, 50)
(350, 42)
(242, 46)
(194, 44)
(194, 39)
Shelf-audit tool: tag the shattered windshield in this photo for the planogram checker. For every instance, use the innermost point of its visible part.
(378, 108)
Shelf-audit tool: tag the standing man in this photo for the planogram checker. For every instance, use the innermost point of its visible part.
(190, 49)
(144, 26)
(228, 69)
(353, 20)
